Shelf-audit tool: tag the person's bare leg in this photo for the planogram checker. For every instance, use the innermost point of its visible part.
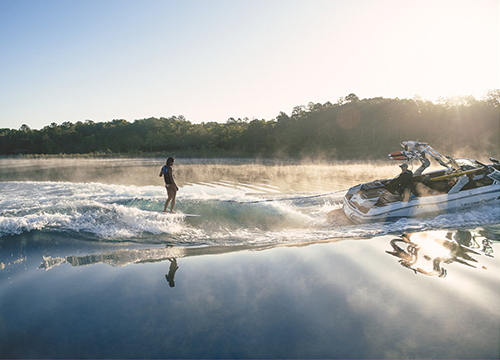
(173, 204)
(171, 197)
(166, 204)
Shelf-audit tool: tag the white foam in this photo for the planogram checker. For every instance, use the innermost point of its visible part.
(90, 208)
(121, 213)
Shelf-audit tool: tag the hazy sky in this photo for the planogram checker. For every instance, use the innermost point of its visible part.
(209, 60)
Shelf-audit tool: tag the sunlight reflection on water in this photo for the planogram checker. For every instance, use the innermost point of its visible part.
(259, 275)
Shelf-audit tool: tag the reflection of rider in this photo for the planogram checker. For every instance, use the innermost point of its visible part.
(403, 182)
(171, 271)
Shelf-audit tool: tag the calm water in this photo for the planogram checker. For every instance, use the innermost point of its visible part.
(89, 269)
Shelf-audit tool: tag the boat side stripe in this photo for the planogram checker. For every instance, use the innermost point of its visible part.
(367, 216)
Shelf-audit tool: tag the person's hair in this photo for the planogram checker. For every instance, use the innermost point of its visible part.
(170, 161)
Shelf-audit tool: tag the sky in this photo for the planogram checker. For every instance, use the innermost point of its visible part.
(210, 60)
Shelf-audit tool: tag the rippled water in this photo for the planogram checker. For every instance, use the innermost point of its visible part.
(239, 202)
(86, 257)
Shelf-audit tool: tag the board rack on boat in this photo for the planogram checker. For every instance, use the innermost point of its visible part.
(463, 183)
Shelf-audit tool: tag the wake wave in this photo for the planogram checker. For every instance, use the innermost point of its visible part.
(132, 214)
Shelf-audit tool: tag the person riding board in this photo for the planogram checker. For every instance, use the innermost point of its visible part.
(168, 174)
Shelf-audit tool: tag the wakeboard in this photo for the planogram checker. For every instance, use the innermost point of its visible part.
(179, 215)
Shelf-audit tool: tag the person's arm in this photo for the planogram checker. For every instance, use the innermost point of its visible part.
(161, 172)
(396, 180)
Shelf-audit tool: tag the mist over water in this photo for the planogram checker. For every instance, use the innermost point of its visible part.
(239, 201)
(289, 175)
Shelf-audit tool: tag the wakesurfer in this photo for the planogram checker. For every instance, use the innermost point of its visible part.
(168, 174)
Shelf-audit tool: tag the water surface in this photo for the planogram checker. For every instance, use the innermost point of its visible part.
(90, 269)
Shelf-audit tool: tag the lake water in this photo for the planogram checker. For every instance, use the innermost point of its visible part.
(89, 268)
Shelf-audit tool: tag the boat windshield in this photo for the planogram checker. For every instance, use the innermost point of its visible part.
(468, 164)
(495, 175)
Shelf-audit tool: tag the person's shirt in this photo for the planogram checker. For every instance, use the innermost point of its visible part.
(164, 171)
(405, 179)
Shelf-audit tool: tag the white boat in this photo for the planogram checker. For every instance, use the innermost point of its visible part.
(476, 184)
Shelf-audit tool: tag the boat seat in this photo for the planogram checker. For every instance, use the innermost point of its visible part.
(461, 182)
(422, 190)
(372, 185)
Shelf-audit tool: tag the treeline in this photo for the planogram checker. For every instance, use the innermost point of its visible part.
(351, 128)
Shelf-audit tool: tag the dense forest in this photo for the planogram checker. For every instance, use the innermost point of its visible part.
(351, 128)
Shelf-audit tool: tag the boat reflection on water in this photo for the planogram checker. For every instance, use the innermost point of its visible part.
(428, 252)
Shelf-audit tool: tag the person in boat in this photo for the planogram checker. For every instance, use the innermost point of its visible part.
(168, 174)
(451, 183)
(403, 183)
(424, 187)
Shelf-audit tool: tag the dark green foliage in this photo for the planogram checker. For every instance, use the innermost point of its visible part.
(352, 128)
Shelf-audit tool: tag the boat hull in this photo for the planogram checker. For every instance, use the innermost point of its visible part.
(422, 206)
